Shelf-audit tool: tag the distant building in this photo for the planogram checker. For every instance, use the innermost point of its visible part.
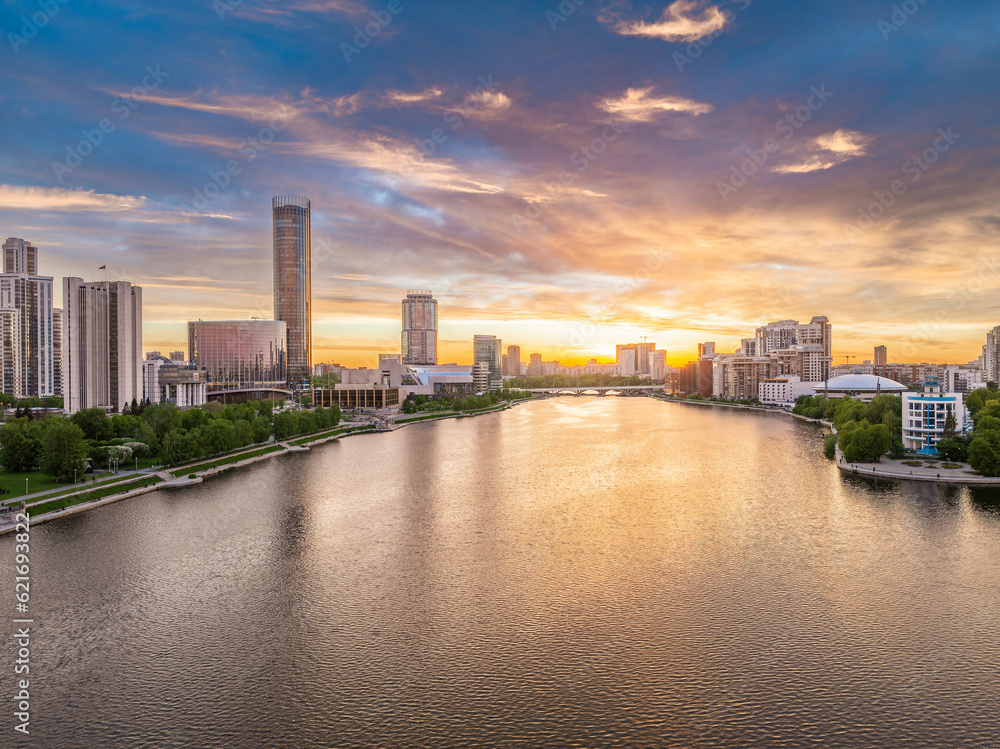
(881, 356)
(962, 378)
(390, 358)
(419, 342)
(658, 368)
(240, 356)
(291, 217)
(634, 358)
(28, 365)
(177, 356)
(924, 416)
(166, 381)
(513, 368)
(102, 344)
(535, 366)
(486, 349)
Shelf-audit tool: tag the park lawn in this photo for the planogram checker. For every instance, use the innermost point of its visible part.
(328, 433)
(225, 461)
(81, 486)
(76, 499)
(13, 481)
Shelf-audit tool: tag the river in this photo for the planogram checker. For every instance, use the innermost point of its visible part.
(572, 572)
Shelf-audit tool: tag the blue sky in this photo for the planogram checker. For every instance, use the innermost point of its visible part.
(602, 171)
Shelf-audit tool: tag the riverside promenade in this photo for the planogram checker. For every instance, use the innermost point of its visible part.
(195, 472)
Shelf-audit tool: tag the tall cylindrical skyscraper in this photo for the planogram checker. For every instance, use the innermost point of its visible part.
(293, 282)
(420, 322)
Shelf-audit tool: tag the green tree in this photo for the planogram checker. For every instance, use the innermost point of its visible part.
(20, 445)
(830, 445)
(94, 423)
(984, 452)
(954, 448)
(949, 425)
(63, 449)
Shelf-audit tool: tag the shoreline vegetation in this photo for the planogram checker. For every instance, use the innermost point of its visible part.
(64, 500)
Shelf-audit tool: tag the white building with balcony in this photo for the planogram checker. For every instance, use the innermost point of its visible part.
(925, 414)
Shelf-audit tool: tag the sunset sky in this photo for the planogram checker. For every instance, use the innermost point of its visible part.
(566, 177)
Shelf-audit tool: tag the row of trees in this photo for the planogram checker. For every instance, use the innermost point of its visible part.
(982, 448)
(460, 403)
(866, 431)
(59, 445)
(53, 444)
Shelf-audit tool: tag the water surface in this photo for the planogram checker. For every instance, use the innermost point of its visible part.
(573, 572)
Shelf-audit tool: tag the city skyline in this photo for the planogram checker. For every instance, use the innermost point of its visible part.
(465, 170)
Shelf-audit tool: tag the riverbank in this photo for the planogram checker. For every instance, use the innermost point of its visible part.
(195, 473)
(889, 469)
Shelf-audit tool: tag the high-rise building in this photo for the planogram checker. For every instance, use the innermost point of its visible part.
(240, 355)
(535, 366)
(658, 365)
(706, 350)
(817, 333)
(634, 358)
(881, 356)
(102, 344)
(293, 282)
(418, 344)
(775, 335)
(30, 364)
(513, 361)
(486, 349)
(57, 344)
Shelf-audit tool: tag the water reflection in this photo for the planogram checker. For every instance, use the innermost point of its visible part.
(575, 572)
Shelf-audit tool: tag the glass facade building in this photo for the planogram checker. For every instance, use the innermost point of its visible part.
(240, 354)
(486, 350)
(293, 281)
(420, 323)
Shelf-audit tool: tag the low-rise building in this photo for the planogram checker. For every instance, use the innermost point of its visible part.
(925, 415)
(166, 381)
(782, 391)
(357, 397)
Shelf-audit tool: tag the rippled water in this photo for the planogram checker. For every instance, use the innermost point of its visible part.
(573, 572)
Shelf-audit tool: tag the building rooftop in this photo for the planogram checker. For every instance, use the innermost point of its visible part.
(860, 382)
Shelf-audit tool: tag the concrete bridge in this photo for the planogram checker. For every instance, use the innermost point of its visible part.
(613, 390)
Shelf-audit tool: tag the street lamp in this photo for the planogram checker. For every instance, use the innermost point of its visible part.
(26, 487)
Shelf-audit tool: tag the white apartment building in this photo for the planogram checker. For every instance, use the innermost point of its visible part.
(783, 391)
(924, 416)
